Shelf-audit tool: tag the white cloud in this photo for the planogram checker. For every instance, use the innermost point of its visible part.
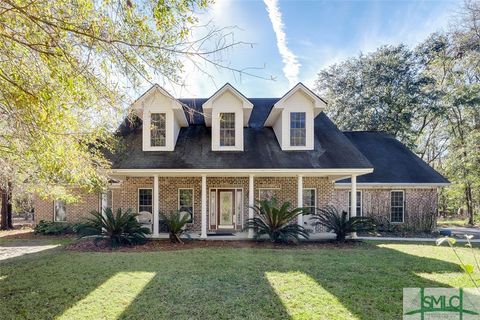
(291, 66)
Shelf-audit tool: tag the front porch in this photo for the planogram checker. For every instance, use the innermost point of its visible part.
(220, 201)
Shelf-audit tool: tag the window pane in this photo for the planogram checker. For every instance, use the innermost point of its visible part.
(239, 207)
(397, 206)
(213, 205)
(158, 130)
(227, 129)
(309, 201)
(266, 194)
(185, 202)
(145, 201)
(297, 129)
(359, 202)
(60, 212)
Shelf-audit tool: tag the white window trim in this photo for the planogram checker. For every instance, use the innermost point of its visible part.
(138, 198)
(55, 213)
(315, 192)
(290, 129)
(361, 201)
(193, 202)
(403, 203)
(150, 129)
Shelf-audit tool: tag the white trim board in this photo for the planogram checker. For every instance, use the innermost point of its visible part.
(347, 185)
(240, 172)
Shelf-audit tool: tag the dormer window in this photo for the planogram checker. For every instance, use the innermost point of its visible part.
(158, 129)
(297, 129)
(227, 129)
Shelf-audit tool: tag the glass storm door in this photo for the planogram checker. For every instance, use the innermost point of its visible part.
(226, 207)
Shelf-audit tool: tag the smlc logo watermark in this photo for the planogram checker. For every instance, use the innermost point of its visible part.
(441, 304)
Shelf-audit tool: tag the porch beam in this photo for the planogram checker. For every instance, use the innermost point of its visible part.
(251, 203)
(300, 197)
(353, 196)
(155, 206)
(203, 235)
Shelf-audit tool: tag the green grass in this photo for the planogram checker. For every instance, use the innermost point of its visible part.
(364, 282)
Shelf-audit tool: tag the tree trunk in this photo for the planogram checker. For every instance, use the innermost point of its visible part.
(3, 209)
(9, 205)
(468, 198)
(6, 208)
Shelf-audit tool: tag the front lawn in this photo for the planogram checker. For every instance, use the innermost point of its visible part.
(364, 282)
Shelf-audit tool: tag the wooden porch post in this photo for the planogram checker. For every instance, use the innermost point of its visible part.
(251, 197)
(204, 207)
(300, 198)
(155, 206)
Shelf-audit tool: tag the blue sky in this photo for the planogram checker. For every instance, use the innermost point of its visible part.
(299, 38)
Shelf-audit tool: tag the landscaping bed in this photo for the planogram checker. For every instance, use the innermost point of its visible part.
(165, 245)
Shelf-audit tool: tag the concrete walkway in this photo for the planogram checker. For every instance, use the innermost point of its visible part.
(19, 248)
(474, 240)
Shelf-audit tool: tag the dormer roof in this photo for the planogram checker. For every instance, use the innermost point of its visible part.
(148, 99)
(318, 103)
(246, 104)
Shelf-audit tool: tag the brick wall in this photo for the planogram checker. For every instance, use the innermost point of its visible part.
(420, 204)
(74, 211)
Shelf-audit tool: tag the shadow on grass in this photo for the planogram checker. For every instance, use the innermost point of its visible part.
(224, 283)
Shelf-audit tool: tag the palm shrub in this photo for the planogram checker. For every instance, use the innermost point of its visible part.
(277, 223)
(117, 229)
(341, 224)
(175, 223)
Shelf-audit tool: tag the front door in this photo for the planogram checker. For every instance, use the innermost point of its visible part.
(226, 208)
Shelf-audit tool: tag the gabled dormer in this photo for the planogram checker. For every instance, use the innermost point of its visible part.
(292, 118)
(162, 117)
(227, 112)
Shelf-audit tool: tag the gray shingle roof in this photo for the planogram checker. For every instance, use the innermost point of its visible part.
(393, 162)
(261, 149)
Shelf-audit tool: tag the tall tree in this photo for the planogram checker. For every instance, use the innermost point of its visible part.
(65, 69)
(383, 90)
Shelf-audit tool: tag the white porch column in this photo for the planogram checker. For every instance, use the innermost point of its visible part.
(353, 196)
(155, 205)
(300, 198)
(204, 207)
(251, 197)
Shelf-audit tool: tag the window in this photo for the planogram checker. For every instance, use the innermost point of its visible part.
(59, 211)
(309, 201)
(267, 193)
(297, 129)
(158, 130)
(359, 203)
(185, 202)
(397, 206)
(106, 200)
(227, 129)
(145, 200)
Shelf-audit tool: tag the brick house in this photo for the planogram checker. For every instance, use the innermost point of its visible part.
(212, 158)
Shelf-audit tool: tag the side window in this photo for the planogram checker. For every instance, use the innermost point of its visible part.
(145, 200)
(297, 129)
(185, 202)
(359, 203)
(309, 201)
(59, 211)
(397, 206)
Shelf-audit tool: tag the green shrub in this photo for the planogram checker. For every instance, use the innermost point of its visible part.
(117, 229)
(53, 228)
(277, 223)
(341, 224)
(175, 223)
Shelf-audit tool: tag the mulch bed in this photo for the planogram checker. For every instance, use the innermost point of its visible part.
(166, 245)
